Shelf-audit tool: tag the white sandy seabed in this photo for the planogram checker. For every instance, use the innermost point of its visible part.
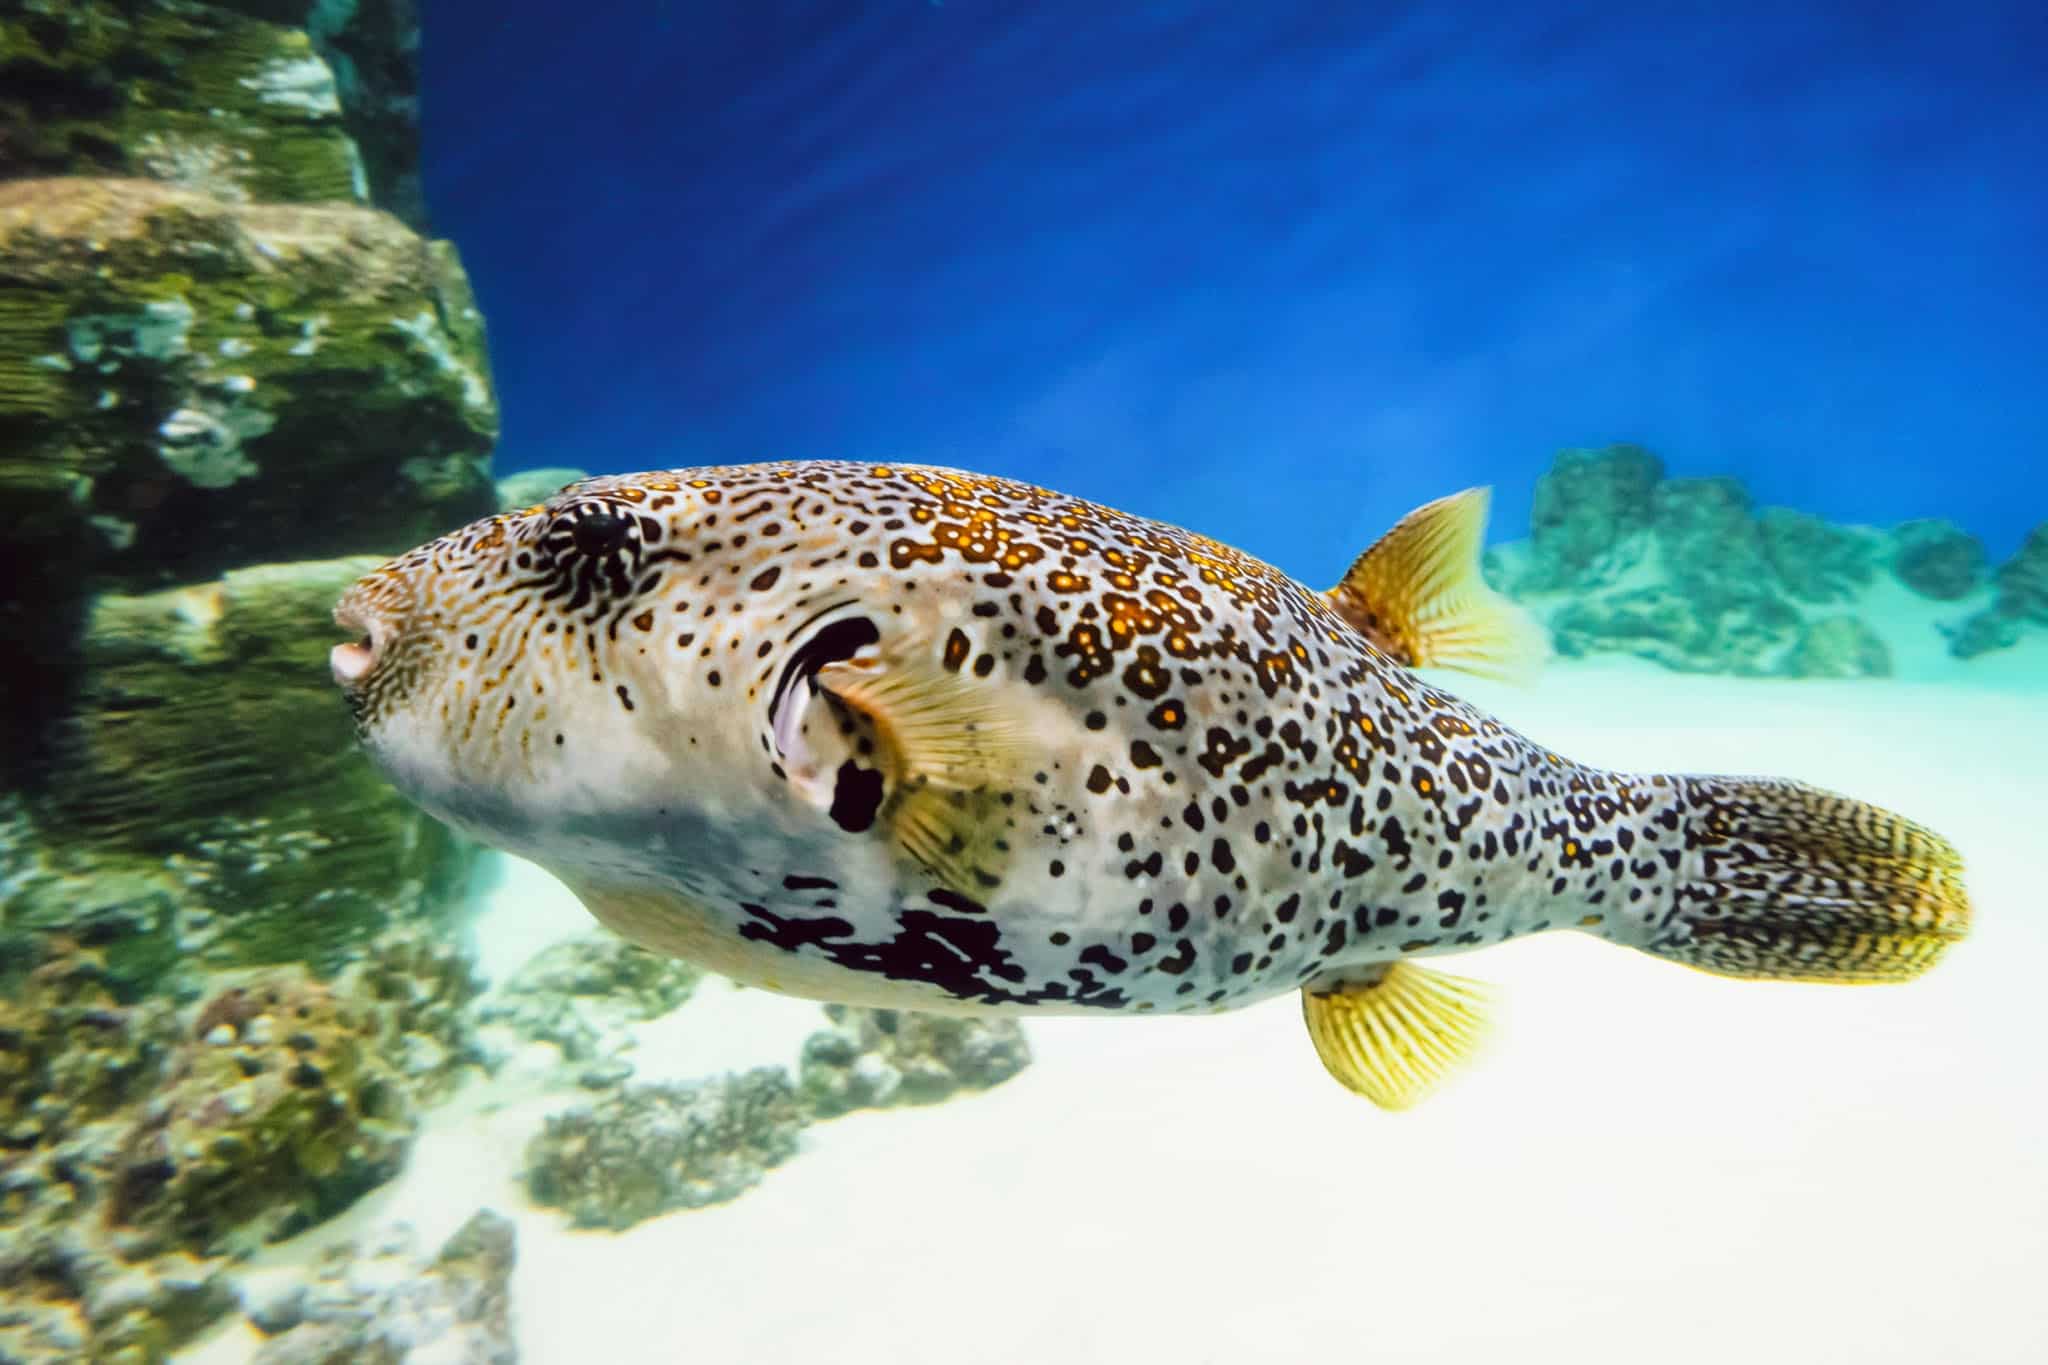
(1648, 1165)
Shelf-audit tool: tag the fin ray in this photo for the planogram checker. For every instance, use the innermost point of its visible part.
(951, 752)
(1418, 594)
(1394, 1039)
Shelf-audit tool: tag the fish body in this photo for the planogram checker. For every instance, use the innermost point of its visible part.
(921, 738)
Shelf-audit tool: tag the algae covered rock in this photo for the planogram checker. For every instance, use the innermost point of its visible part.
(1937, 559)
(646, 1150)
(276, 1111)
(144, 1146)
(234, 99)
(2021, 600)
(1685, 572)
(1747, 635)
(1586, 505)
(190, 382)
(75, 1063)
(384, 1305)
(531, 486)
(875, 1058)
(1816, 560)
(584, 994)
(209, 806)
(1839, 647)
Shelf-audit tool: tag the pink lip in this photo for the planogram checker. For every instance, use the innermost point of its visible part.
(351, 663)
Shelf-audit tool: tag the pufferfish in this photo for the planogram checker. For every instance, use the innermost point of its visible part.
(925, 739)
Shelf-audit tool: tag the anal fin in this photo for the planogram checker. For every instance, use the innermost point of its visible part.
(1394, 1036)
(1418, 595)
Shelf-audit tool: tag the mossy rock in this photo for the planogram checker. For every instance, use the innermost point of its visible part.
(188, 385)
(209, 805)
(646, 1150)
(1586, 504)
(230, 99)
(276, 1111)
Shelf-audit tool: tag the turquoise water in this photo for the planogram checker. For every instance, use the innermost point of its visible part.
(1735, 309)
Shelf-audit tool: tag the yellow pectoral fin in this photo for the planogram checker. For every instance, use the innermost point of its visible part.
(950, 753)
(1394, 1039)
(1418, 594)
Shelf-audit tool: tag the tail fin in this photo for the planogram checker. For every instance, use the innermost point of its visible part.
(1794, 883)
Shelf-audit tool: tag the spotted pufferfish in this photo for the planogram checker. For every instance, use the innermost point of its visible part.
(925, 739)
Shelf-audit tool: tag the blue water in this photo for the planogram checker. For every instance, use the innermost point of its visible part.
(1277, 269)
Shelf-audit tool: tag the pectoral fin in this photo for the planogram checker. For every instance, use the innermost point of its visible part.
(950, 753)
(1393, 1035)
(1418, 595)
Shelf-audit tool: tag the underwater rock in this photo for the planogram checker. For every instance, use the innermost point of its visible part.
(194, 383)
(1937, 559)
(2021, 599)
(585, 994)
(1710, 547)
(209, 807)
(143, 1146)
(1742, 636)
(875, 1058)
(531, 486)
(1816, 560)
(646, 1150)
(1586, 505)
(1839, 647)
(276, 1111)
(211, 97)
(75, 1063)
(2023, 579)
(190, 385)
(1683, 572)
(378, 1305)
(421, 988)
(293, 101)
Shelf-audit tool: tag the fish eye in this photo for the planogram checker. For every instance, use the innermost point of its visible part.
(598, 533)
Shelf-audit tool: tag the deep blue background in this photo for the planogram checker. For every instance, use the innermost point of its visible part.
(1273, 268)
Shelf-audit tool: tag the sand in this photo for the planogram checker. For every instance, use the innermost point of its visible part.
(1648, 1164)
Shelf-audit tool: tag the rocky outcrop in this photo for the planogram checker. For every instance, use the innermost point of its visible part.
(1937, 559)
(287, 101)
(207, 807)
(2020, 601)
(145, 1146)
(382, 1305)
(585, 996)
(1687, 572)
(646, 1150)
(873, 1059)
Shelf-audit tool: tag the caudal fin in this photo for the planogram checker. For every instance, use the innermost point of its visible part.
(1789, 882)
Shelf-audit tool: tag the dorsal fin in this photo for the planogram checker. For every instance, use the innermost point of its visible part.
(1418, 595)
(950, 753)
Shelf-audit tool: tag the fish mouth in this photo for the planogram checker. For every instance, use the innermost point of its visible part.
(354, 662)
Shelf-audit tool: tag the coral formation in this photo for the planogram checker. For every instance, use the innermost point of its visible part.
(874, 1058)
(585, 994)
(208, 808)
(1686, 572)
(382, 1305)
(2020, 599)
(143, 1146)
(645, 1150)
(284, 100)
(1937, 559)
(1839, 647)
